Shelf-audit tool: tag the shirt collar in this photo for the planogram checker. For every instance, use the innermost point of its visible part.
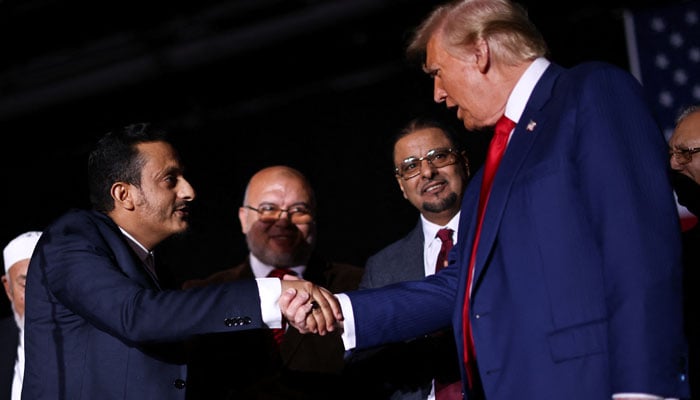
(430, 229)
(140, 249)
(261, 270)
(523, 89)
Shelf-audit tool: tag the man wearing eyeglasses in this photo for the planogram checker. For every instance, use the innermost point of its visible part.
(432, 172)
(278, 218)
(685, 143)
(685, 166)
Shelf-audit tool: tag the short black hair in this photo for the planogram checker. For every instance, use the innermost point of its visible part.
(427, 122)
(115, 158)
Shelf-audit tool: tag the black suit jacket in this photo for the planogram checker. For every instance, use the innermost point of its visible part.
(248, 365)
(9, 338)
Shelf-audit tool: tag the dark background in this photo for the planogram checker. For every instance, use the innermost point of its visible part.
(318, 85)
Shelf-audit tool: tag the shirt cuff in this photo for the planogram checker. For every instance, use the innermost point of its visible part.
(348, 334)
(639, 396)
(269, 290)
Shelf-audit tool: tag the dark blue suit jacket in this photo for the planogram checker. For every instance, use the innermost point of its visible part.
(403, 370)
(97, 326)
(577, 291)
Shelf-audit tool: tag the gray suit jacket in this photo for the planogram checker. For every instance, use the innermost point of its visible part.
(405, 370)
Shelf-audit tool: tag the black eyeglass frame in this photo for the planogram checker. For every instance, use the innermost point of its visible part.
(429, 157)
(683, 156)
(291, 212)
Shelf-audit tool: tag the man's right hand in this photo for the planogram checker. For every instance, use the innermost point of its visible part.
(308, 307)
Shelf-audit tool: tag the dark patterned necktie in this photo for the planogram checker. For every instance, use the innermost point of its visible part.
(150, 263)
(445, 235)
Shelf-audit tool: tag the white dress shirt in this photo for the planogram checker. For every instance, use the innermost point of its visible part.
(19, 368)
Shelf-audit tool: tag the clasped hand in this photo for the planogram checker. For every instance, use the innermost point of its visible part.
(308, 307)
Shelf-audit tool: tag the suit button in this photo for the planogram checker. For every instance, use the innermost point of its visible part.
(179, 383)
(238, 321)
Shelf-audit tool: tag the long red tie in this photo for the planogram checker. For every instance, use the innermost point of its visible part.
(278, 333)
(496, 149)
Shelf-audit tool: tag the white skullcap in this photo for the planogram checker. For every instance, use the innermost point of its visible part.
(20, 248)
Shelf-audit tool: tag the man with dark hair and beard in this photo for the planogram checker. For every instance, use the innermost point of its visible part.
(432, 171)
(278, 218)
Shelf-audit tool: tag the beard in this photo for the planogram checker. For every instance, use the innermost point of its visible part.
(441, 205)
(297, 254)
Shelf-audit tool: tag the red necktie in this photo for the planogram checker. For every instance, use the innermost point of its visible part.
(445, 235)
(496, 149)
(278, 333)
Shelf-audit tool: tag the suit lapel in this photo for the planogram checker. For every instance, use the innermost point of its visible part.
(532, 121)
(126, 253)
(413, 256)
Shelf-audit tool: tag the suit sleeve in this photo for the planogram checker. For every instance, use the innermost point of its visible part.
(89, 271)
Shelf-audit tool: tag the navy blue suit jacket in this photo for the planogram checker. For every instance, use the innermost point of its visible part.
(403, 370)
(578, 286)
(98, 327)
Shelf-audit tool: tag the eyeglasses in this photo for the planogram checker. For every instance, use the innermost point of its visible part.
(271, 213)
(438, 158)
(683, 156)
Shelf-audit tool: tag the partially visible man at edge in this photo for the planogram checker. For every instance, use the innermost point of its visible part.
(16, 257)
(684, 146)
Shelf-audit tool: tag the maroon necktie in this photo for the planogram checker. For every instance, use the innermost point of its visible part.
(496, 149)
(446, 390)
(278, 333)
(445, 235)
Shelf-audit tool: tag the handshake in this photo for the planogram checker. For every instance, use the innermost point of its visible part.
(308, 307)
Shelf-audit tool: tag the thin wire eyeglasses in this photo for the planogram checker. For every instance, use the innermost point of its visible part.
(438, 158)
(683, 156)
(271, 213)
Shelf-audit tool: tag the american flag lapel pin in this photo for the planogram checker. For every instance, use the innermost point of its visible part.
(531, 126)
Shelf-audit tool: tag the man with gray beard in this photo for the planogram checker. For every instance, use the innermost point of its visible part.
(278, 218)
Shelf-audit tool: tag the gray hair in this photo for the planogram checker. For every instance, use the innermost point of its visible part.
(685, 112)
